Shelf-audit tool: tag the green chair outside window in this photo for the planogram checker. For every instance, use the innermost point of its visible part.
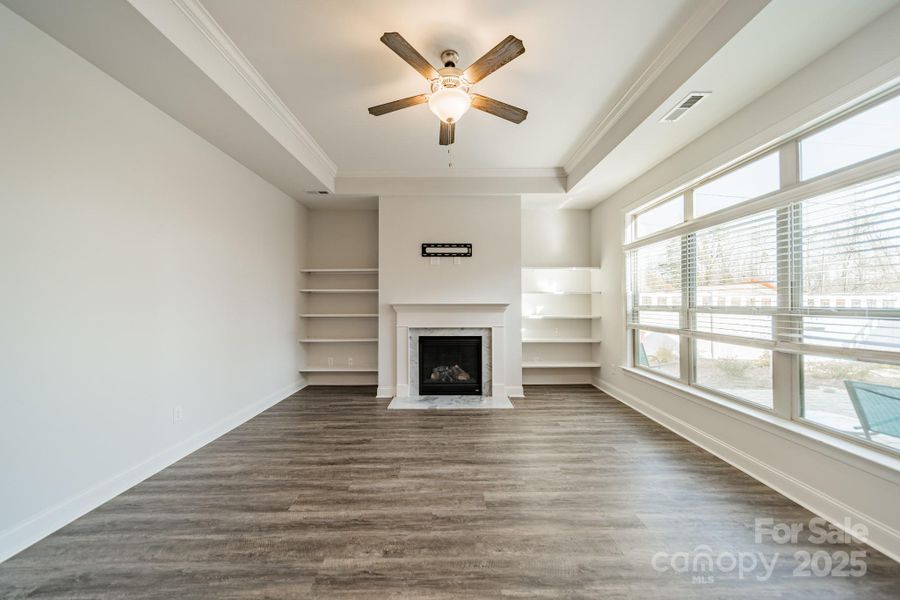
(877, 406)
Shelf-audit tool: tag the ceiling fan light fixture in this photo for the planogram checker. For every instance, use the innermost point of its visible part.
(451, 95)
(449, 104)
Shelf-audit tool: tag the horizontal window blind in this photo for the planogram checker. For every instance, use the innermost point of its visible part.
(655, 276)
(722, 282)
(736, 277)
(849, 244)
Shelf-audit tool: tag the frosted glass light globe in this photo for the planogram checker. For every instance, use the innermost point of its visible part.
(449, 104)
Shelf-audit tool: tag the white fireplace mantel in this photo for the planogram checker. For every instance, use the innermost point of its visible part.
(451, 315)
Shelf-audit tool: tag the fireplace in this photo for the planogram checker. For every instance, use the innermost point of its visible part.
(449, 365)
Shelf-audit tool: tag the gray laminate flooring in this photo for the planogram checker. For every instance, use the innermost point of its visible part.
(329, 495)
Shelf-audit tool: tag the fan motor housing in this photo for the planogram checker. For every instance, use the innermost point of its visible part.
(450, 77)
(449, 58)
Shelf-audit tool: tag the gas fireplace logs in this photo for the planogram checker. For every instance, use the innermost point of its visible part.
(444, 374)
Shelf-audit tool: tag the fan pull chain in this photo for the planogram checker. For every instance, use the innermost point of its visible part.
(449, 156)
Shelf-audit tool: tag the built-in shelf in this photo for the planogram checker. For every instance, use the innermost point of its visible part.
(339, 315)
(340, 291)
(560, 323)
(550, 316)
(336, 296)
(341, 271)
(337, 340)
(338, 369)
(561, 340)
(565, 364)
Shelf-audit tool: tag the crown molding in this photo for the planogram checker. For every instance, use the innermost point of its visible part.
(456, 173)
(695, 23)
(460, 185)
(193, 30)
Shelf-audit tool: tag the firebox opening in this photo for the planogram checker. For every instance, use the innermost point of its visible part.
(449, 365)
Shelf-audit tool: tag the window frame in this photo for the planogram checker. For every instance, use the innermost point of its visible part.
(633, 216)
(857, 108)
(787, 354)
(728, 171)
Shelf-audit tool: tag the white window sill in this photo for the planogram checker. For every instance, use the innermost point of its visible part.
(883, 464)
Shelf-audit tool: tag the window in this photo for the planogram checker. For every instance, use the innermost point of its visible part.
(867, 134)
(735, 266)
(855, 397)
(749, 181)
(744, 372)
(662, 216)
(658, 274)
(802, 284)
(656, 289)
(658, 351)
(851, 243)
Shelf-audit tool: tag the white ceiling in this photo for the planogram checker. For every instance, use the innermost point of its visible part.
(785, 36)
(324, 59)
(115, 37)
(276, 84)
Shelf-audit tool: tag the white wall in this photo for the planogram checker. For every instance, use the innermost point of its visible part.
(831, 482)
(342, 238)
(493, 274)
(552, 237)
(141, 269)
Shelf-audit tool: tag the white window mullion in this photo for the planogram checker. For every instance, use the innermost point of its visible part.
(688, 293)
(786, 366)
(796, 299)
(688, 302)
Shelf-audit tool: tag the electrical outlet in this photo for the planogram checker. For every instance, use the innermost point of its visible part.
(456, 260)
(330, 361)
(177, 414)
(435, 260)
(350, 361)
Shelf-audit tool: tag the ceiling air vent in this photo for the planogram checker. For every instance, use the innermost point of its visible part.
(685, 105)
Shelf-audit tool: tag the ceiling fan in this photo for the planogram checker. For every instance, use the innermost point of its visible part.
(451, 94)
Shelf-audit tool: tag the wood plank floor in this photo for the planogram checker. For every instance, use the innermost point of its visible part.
(329, 495)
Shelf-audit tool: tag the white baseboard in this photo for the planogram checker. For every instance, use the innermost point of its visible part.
(385, 391)
(35, 528)
(881, 536)
(515, 391)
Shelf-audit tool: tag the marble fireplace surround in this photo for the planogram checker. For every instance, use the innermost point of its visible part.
(485, 319)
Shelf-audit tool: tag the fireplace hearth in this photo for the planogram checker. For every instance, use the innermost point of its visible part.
(449, 365)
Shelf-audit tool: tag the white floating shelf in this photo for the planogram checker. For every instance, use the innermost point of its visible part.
(569, 364)
(340, 315)
(337, 340)
(318, 369)
(341, 291)
(561, 341)
(341, 271)
(559, 293)
(561, 317)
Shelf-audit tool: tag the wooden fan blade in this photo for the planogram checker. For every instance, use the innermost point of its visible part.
(448, 133)
(499, 109)
(404, 50)
(383, 109)
(498, 56)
